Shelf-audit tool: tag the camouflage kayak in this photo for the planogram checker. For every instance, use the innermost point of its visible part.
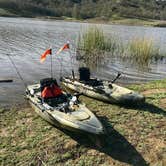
(62, 113)
(103, 90)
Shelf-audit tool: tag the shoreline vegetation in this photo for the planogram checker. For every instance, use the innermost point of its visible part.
(130, 22)
(93, 47)
(135, 135)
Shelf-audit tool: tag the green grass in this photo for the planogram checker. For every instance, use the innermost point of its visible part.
(151, 85)
(160, 24)
(134, 21)
(135, 135)
(115, 19)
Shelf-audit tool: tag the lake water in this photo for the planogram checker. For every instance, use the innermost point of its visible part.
(26, 39)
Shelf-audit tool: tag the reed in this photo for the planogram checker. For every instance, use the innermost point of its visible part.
(93, 45)
(142, 50)
(95, 48)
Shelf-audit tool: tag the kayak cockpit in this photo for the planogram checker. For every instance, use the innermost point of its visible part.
(63, 102)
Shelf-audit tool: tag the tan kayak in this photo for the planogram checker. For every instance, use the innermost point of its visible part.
(103, 90)
(69, 113)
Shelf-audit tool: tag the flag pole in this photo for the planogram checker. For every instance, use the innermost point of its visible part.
(51, 64)
(72, 70)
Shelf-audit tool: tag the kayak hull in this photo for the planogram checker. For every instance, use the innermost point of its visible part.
(83, 122)
(115, 94)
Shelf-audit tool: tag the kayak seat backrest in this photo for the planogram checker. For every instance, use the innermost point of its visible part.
(84, 74)
(47, 82)
(49, 89)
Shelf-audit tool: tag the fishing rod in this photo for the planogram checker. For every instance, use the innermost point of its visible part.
(72, 70)
(71, 61)
(16, 69)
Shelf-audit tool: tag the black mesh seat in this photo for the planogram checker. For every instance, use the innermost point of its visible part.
(47, 82)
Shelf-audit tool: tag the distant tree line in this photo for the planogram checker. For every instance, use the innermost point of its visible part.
(85, 9)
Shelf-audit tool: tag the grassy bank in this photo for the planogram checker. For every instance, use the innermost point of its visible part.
(135, 136)
(139, 22)
(128, 21)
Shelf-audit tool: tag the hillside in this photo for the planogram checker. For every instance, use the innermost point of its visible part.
(85, 9)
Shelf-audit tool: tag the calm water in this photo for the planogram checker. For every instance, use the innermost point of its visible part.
(26, 39)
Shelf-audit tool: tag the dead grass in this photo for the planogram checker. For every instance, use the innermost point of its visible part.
(153, 91)
(70, 144)
(163, 103)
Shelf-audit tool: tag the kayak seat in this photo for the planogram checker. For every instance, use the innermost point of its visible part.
(84, 74)
(49, 88)
(47, 82)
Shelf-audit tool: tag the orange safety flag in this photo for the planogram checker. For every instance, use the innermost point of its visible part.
(44, 55)
(66, 46)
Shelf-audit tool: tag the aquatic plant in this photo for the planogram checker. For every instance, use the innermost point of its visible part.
(94, 48)
(93, 45)
(142, 50)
